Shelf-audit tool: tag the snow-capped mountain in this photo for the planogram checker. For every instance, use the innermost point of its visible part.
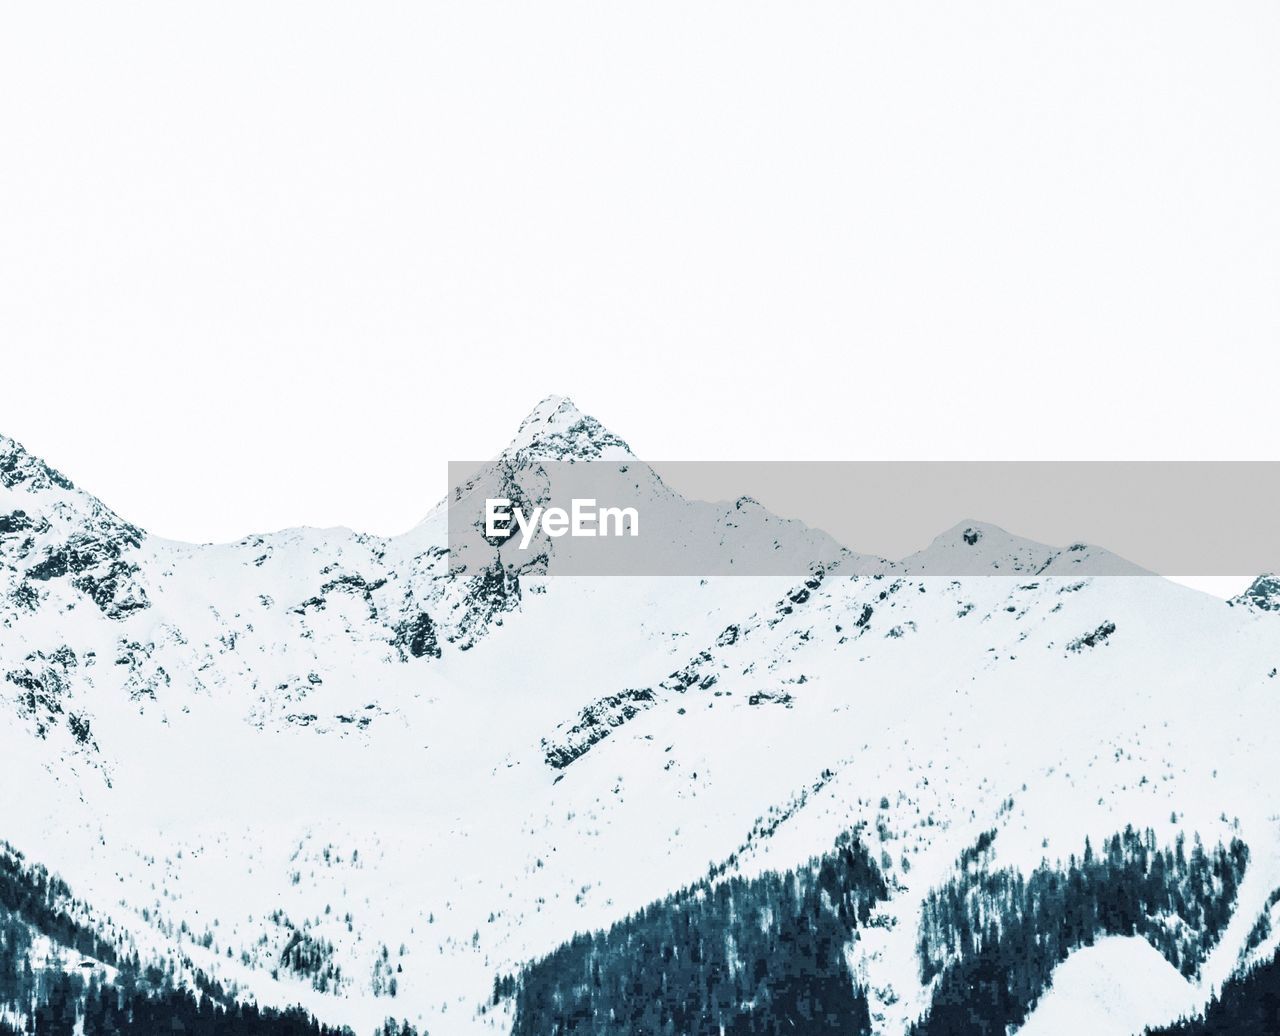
(323, 768)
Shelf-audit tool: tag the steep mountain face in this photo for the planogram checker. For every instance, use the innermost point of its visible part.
(323, 768)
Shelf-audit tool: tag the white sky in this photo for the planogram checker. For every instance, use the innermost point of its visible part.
(267, 265)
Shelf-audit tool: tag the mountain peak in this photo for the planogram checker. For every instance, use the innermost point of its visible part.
(20, 467)
(556, 430)
(551, 409)
(1263, 594)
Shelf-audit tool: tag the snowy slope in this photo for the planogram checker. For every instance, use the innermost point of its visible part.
(435, 777)
(1115, 988)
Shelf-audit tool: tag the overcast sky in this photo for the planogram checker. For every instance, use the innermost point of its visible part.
(275, 264)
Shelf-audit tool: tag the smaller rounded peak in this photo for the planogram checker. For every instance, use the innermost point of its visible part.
(977, 548)
(972, 548)
(971, 533)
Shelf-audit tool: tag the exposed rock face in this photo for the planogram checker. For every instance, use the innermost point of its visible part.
(1093, 638)
(18, 468)
(596, 722)
(417, 636)
(54, 534)
(1263, 594)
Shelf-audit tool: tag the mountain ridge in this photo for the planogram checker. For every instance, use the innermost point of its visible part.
(320, 739)
(555, 430)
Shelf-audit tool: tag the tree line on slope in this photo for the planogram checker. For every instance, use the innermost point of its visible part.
(51, 998)
(768, 955)
(992, 939)
(44, 991)
(739, 957)
(67, 1005)
(31, 892)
